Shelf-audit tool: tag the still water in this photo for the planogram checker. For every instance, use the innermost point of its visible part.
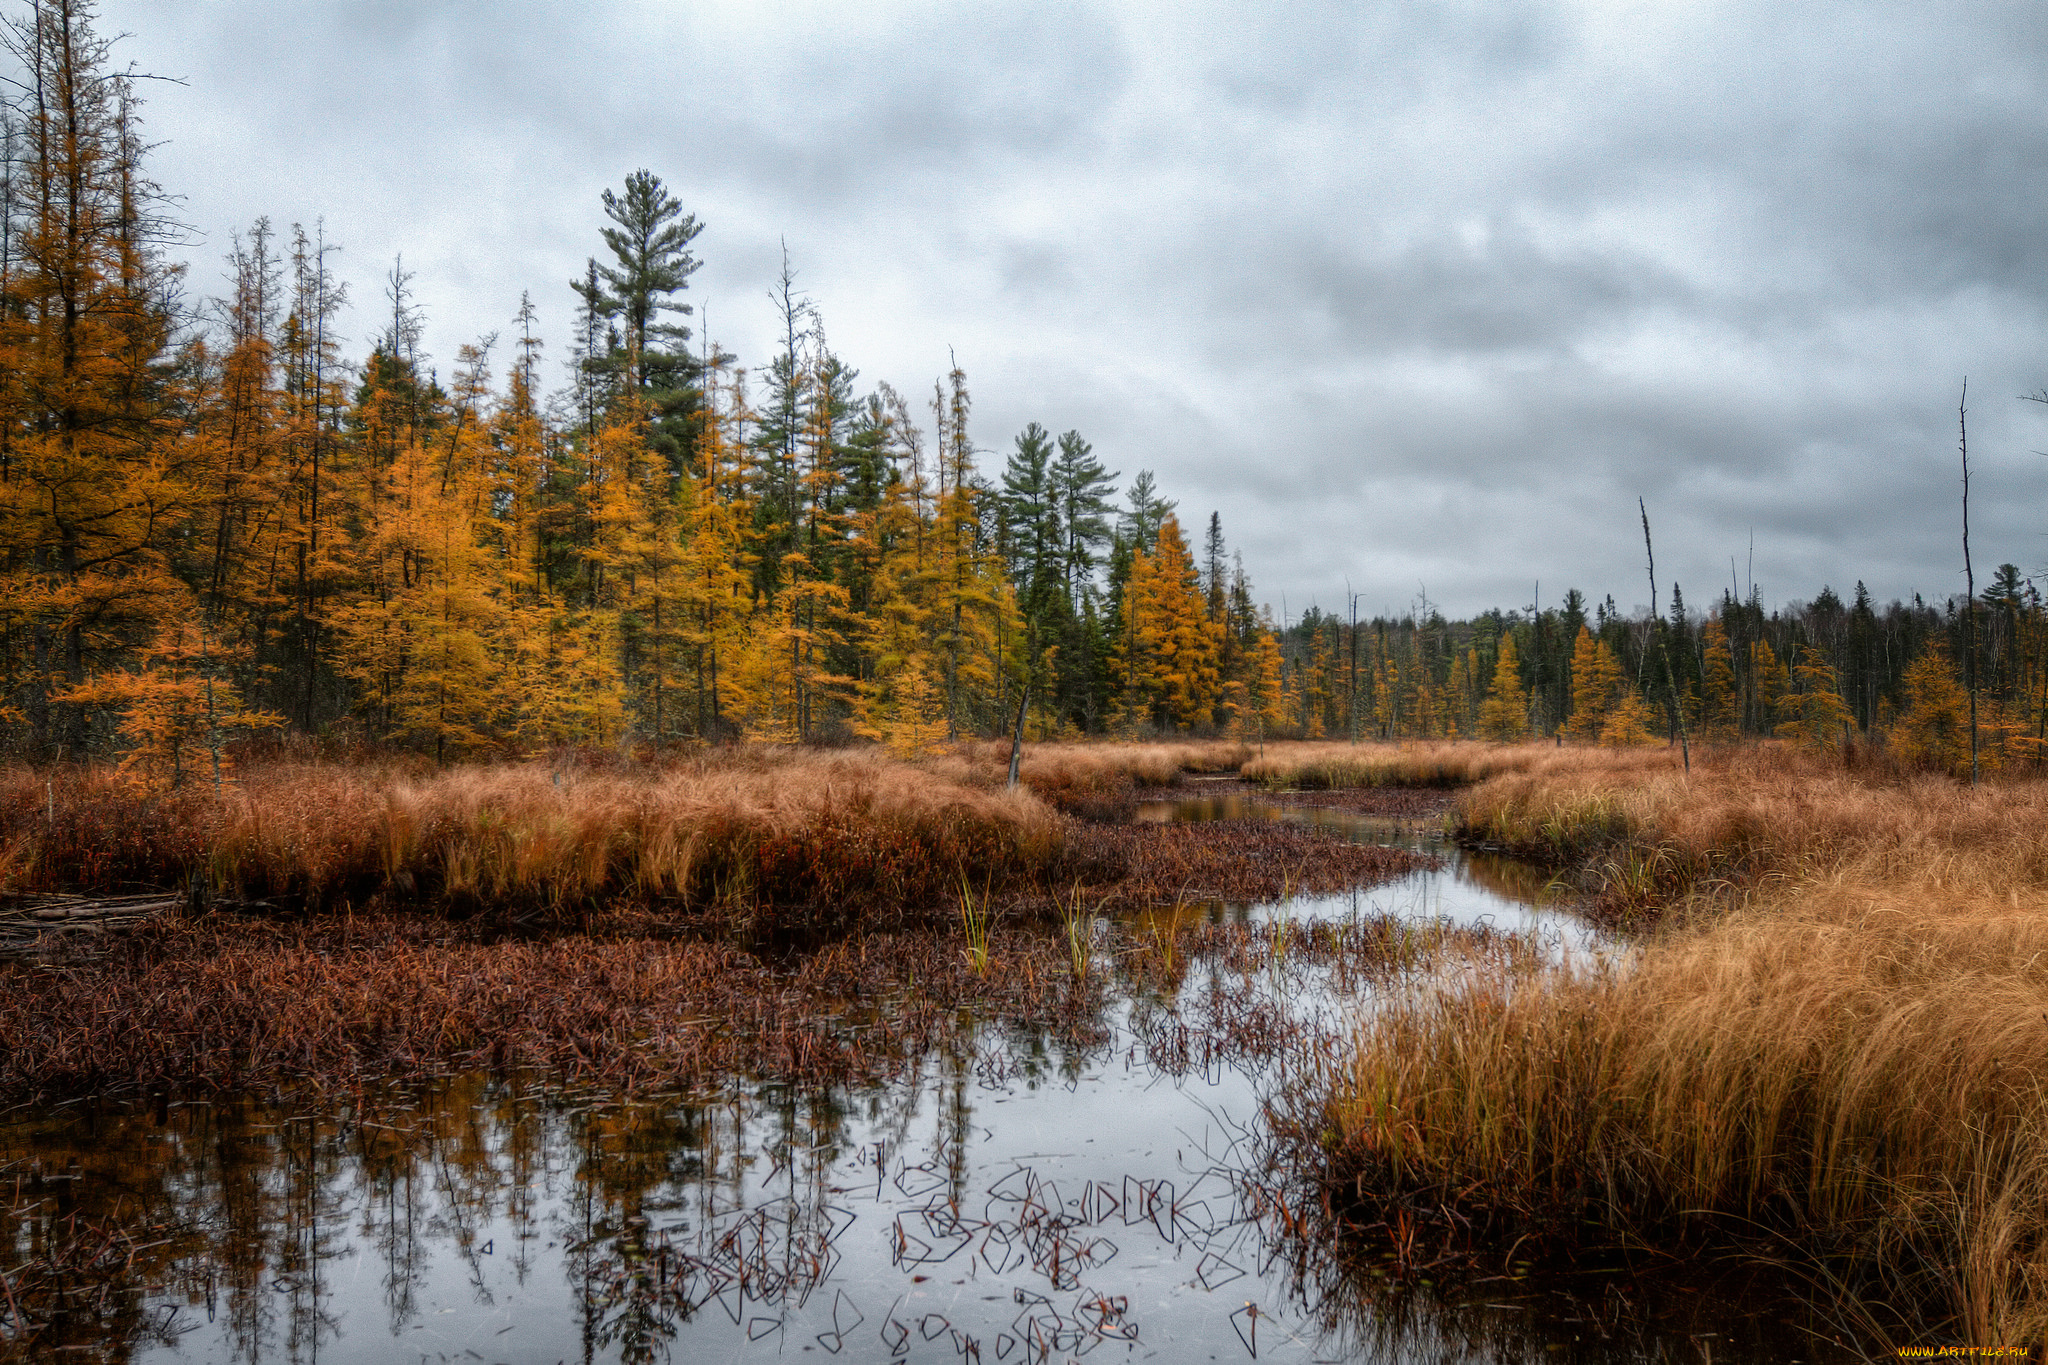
(1012, 1200)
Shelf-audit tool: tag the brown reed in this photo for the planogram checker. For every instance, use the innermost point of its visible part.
(1838, 1057)
(224, 1006)
(1313, 766)
(763, 831)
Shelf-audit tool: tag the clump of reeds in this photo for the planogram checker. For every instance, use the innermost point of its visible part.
(1865, 1086)
(210, 1006)
(1077, 929)
(1646, 834)
(1408, 763)
(835, 835)
(977, 922)
(1840, 1059)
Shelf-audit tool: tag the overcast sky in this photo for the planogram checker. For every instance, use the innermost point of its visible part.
(1421, 295)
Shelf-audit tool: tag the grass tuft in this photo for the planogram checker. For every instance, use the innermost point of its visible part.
(1838, 1055)
(767, 834)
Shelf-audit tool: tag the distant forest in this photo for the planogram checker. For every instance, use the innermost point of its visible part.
(216, 522)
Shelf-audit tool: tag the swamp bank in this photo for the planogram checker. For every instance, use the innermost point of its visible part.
(1831, 1054)
(1320, 1084)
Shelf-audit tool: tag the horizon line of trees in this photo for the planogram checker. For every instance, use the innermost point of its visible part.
(1824, 673)
(213, 522)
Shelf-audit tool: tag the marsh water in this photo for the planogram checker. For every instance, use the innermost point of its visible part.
(1010, 1200)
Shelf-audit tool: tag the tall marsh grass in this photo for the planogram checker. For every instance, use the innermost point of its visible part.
(1430, 763)
(837, 833)
(1838, 1058)
(1750, 817)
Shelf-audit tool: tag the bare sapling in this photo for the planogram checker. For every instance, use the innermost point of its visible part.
(1969, 577)
(1664, 643)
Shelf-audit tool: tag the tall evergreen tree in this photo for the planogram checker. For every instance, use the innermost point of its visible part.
(1082, 489)
(646, 356)
(1032, 536)
(94, 487)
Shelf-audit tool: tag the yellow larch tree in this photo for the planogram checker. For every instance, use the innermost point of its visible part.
(1269, 695)
(1933, 725)
(1767, 683)
(1464, 694)
(715, 596)
(1505, 713)
(178, 709)
(1386, 694)
(92, 484)
(915, 723)
(972, 611)
(1813, 713)
(1315, 686)
(1596, 677)
(237, 441)
(1719, 716)
(1170, 648)
(415, 634)
(1628, 721)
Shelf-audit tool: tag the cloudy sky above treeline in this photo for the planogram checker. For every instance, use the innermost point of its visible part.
(1418, 296)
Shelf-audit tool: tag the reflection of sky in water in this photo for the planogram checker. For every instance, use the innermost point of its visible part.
(1466, 888)
(1008, 1204)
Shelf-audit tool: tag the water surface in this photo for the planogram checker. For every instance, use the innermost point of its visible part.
(1012, 1199)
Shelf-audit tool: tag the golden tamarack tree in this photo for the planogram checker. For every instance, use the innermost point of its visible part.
(1505, 714)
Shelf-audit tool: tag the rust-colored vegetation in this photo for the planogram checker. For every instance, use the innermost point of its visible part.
(755, 912)
(1837, 1056)
(1385, 803)
(1421, 763)
(837, 835)
(216, 1007)
(1130, 866)
(222, 1005)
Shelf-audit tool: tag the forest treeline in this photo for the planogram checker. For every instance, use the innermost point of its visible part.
(216, 521)
(1825, 673)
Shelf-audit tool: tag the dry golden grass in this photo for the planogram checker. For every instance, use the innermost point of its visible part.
(1650, 833)
(837, 832)
(1146, 764)
(1842, 1053)
(1433, 763)
(1096, 781)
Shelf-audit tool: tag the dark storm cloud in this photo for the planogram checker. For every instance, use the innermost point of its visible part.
(1421, 295)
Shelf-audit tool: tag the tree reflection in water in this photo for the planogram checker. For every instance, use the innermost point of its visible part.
(1018, 1195)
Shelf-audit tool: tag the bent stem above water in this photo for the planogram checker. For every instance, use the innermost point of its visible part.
(977, 920)
(1076, 922)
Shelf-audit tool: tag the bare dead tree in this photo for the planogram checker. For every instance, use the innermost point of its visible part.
(1664, 643)
(1969, 578)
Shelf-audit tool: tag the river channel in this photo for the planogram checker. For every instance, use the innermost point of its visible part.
(1010, 1201)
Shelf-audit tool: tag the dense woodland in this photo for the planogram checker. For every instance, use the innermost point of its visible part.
(221, 520)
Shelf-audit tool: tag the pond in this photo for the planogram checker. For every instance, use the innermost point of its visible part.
(1461, 886)
(1013, 1199)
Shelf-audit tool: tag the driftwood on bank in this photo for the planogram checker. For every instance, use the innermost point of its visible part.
(27, 921)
